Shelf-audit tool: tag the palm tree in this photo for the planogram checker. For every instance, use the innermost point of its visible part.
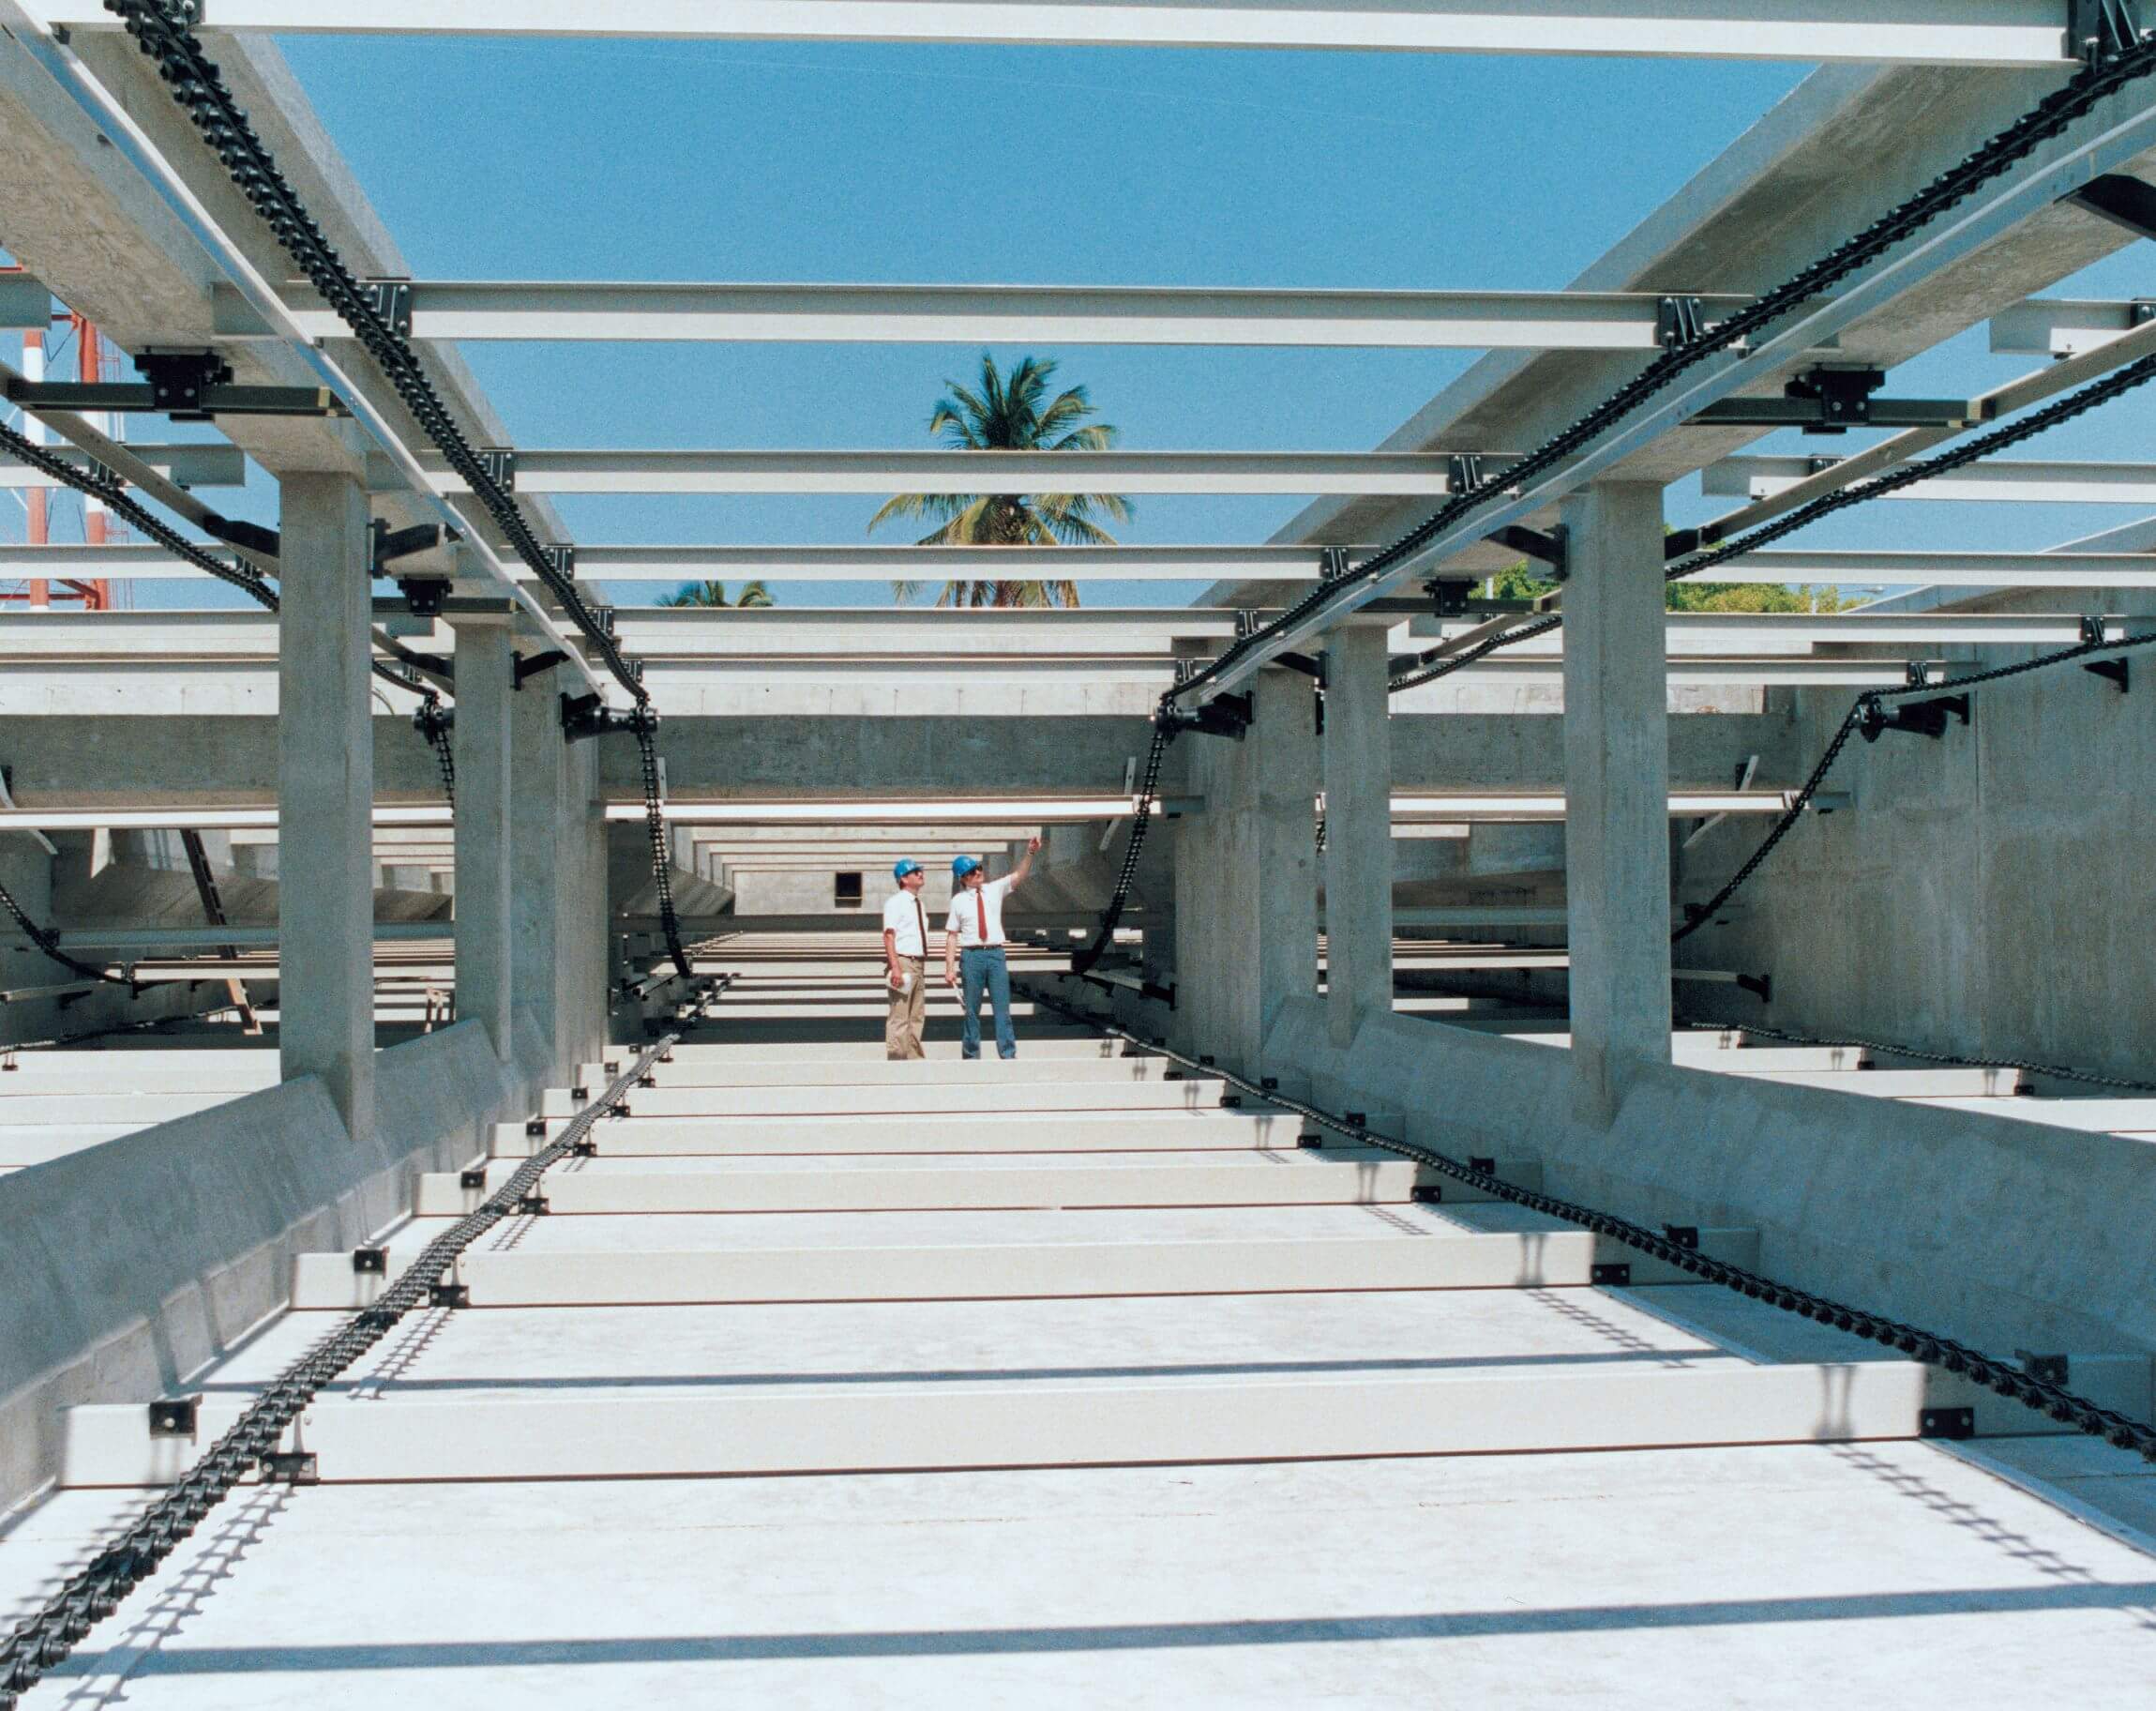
(1013, 414)
(714, 593)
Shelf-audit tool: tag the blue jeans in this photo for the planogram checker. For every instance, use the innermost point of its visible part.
(986, 967)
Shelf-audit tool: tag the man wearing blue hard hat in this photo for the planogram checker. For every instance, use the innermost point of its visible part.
(906, 956)
(974, 945)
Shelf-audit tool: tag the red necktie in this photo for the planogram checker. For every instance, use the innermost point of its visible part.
(981, 903)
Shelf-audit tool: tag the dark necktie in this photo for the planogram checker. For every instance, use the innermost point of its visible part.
(981, 903)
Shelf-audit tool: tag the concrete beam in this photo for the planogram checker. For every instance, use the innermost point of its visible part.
(2031, 481)
(1357, 756)
(1959, 570)
(485, 866)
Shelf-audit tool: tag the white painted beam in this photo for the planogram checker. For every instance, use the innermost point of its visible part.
(1008, 314)
(2030, 481)
(2063, 326)
(191, 466)
(2026, 33)
(1353, 472)
(1031, 1125)
(1960, 569)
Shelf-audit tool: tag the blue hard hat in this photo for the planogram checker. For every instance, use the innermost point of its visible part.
(964, 866)
(904, 868)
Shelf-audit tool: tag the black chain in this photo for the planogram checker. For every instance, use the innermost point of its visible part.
(434, 725)
(47, 941)
(45, 1639)
(164, 30)
(2002, 1377)
(1853, 721)
(1082, 961)
(101, 485)
(2049, 1071)
(2047, 119)
(661, 843)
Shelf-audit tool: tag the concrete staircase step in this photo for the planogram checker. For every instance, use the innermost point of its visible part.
(948, 1071)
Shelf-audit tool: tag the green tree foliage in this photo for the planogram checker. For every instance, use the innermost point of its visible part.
(1518, 583)
(714, 593)
(1013, 414)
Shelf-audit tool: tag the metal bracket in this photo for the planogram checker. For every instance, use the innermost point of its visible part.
(1919, 718)
(499, 462)
(585, 716)
(1678, 321)
(178, 379)
(2121, 198)
(2049, 1369)
(392, 544)
(475, 1177)
(1312, 1138)
(1844, 396)
(176, 1416)
(391, 300)
(1231, 1101)
(1463, 472)
(537, 663)
(2118, 672)
(449, 1294)
(583, 1146)
(2101, 30)
(1681, 1235)
(1427, 1193)
(1760, 986)
(1616, 1274)
(1947, 1423)
(534, 1127)
(1449, 595)
(1489, 1167)
(292, 1467)
(563, 557)
(533, 1205)
(370, 1262)
(1332, 564)
(1551, 549)
(1223, 716)
(249, 537)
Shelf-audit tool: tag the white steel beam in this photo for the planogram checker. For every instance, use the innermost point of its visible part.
(2026, 33)
(777, 564)
(1353, 472)
(2061, 327)
(2030, 481)
(188, 465)
(1008, 314)
(1724, 634)
(1961, 569)
(2097, 145)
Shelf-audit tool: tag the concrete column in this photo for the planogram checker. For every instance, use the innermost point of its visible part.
(537, 759)
(1616, 792)
(1246, 877)
(1358, 758)
(486, 683)
(325, 796)
(580, 899)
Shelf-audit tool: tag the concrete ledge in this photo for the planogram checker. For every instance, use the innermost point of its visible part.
(133, 1263)
(2005, 1234)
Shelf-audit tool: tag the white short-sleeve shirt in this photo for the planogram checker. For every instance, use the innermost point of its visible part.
(908, 922)
(966, 909)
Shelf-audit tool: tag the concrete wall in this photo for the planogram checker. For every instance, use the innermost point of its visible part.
(2005, 1234)
(1982, 898)
(129, 1265)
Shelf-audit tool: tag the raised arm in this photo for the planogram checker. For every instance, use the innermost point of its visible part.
(1025, 864)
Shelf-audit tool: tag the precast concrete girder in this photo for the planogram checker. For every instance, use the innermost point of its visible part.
(1994, 33)
(2109, 140)
(1003, 314)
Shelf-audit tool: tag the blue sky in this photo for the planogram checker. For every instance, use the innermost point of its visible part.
(834, 163)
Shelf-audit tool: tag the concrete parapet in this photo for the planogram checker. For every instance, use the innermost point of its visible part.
(2004, 1233)
(133, 1263)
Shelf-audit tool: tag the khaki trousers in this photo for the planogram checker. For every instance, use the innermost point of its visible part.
(908, 1010)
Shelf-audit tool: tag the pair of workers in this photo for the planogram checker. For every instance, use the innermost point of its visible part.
(973, 953)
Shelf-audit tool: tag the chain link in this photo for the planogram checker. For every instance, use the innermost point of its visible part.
(1082, 961)
(2002, 1377)
(434, 725)
(661, 843)
(2047, 119)
(44, 1641)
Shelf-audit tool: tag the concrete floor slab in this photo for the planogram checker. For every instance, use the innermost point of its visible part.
(1528, 1580)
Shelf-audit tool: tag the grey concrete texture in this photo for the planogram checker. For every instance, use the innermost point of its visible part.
(2004, 1233)
(1979, 900)
(1246, 875)
(133, 1263)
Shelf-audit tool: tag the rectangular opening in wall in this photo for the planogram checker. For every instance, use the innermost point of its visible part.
(846, 890)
